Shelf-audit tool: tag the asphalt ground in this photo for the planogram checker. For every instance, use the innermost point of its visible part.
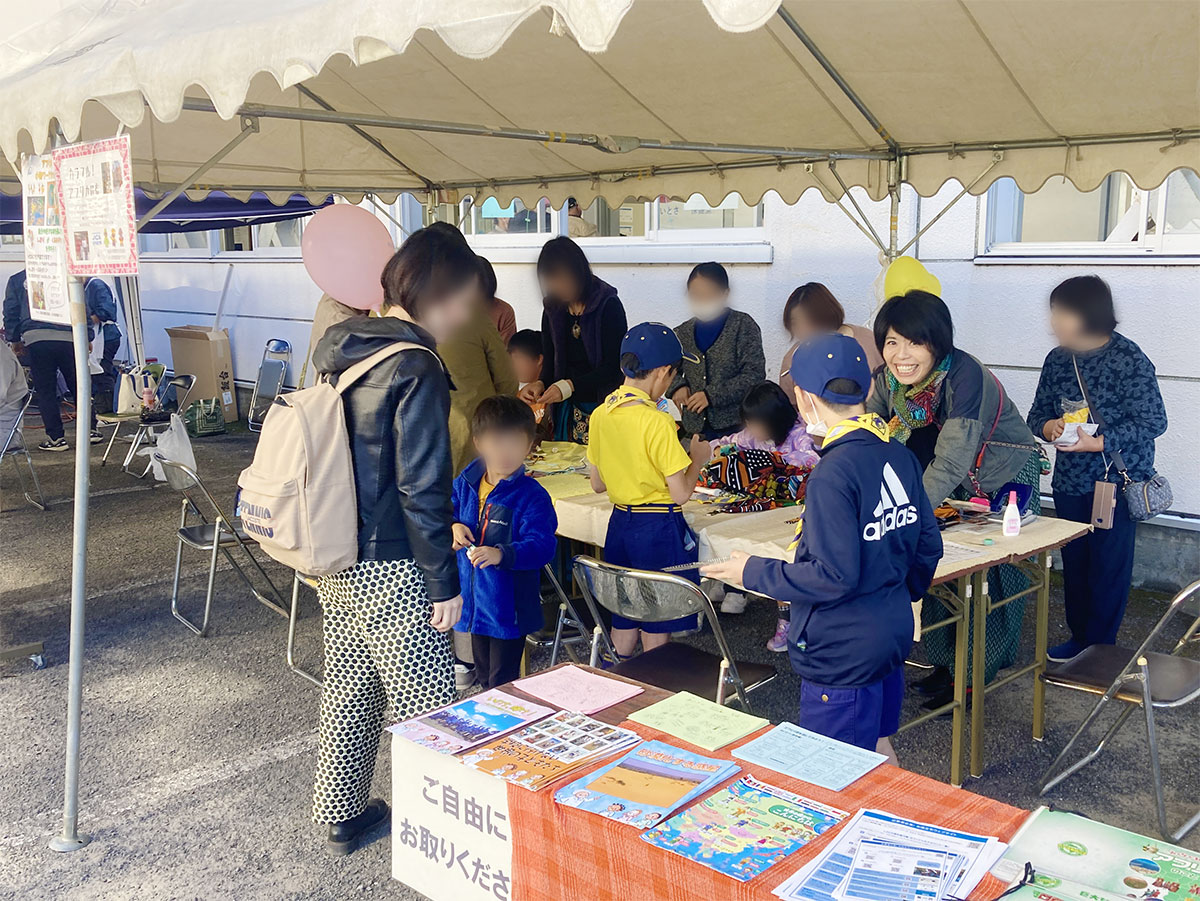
(197, 754)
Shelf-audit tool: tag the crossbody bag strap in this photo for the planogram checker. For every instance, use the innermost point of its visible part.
(1118, 461)
(973, 474)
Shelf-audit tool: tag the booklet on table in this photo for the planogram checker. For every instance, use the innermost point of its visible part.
(698, 721)
(572, 688)
(744, 828)
(644, 786)
(548, 749)
(469, 722)
(810, 757)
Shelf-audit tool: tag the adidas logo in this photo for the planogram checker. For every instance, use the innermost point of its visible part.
(894, 509)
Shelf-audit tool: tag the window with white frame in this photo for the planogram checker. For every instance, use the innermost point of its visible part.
(1116, 218)
(489, 218)
(666, 220)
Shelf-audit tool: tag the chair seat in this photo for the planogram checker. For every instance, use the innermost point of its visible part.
(676, 666)
(200, 536)
(114, 418)
(1173, 680)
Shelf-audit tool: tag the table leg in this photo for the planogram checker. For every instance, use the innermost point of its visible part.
(959, 717)
(1039, 653)
(979, 605)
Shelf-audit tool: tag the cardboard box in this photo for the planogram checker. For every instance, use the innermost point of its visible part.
(203, 352)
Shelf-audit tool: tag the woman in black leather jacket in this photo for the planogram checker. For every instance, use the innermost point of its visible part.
(387, 617)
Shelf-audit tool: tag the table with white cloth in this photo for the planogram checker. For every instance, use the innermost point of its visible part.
(960, 583)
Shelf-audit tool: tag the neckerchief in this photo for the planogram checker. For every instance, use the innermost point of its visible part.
(913, 405)
(625, 394)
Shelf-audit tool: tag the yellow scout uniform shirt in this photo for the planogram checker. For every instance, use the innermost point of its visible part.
(635, 447)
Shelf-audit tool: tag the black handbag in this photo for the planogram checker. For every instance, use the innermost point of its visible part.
(1146, 499)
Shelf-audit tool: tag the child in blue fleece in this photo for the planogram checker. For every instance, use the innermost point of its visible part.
(504, 534)
(867, 548)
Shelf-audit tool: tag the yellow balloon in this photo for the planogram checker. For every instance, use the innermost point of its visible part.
(907, 274)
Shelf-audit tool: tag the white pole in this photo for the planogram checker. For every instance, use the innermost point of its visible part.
(70, 839)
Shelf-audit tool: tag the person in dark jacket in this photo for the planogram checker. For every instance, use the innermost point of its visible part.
(867, 551)
(583, 323)
(728, 344)
(504, 525)
(102, 313)
(51, 351)
(387, 617)
(1122, 392)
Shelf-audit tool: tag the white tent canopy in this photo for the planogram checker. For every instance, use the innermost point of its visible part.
(415, 96)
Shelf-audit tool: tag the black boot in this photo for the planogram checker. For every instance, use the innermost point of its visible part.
(343, 835)
(935, 683)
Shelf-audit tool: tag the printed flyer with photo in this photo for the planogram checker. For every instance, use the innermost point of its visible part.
(470, 722)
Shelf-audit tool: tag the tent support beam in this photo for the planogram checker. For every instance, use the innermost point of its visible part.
(604, 143)
(996, 159)
(249, 127)
(863, 216)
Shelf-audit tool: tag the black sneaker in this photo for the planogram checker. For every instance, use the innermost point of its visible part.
(935, 683)
(344, 835)
(54, 444)
(95, 437)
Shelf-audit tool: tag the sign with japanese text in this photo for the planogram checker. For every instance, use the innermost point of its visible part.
(95, 202)
(451, 836)
(45, 262)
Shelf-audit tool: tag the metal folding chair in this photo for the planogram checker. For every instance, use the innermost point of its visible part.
(14, 446)
(172, 395)
(292, 618)
(269, 382)
(569, 630)
(1137, 678)
(216, 533)
(653, 597)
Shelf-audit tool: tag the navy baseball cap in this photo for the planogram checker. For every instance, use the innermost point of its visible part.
(654, 345)
(818, 361)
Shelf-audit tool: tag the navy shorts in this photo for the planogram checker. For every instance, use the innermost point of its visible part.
(646, 538)
(857, 716)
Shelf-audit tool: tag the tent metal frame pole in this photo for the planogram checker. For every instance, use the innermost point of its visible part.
(249, 127)
(1169, 136)
(997, 157)
(865, 221)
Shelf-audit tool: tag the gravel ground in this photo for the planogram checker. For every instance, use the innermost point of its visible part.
(197, 754)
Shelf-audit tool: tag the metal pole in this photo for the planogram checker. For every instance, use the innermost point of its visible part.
(70, 839)
(893, 208)
(996, 158)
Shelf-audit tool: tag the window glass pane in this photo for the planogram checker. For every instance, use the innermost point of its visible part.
(1058, 211)
(11, 240)
(490, 218)
(163, 243)
(603, 221)
(458, 215)
(1183, 203)
(279, 234)
(238, 238)
(696, 213)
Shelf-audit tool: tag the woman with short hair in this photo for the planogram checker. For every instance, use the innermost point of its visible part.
(812, 310)
(1100, 374)
(387, 617)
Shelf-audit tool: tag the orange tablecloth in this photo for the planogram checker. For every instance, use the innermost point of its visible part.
(562, 852)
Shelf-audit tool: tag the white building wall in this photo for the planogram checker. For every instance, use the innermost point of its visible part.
(999, 306)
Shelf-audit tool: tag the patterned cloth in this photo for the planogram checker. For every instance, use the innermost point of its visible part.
(797, 448)
(761, 477)
(380, 650)
(914, 405)
(1004, 624)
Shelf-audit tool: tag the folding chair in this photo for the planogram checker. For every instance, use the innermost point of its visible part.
(568, 619)
(1141, 678)
(14, 446)
(653, 597)
(172, 395)
(215, 533)
(269, 382)
(292, 618)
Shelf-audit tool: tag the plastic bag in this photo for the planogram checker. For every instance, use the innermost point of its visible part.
(1075, 410)
(174, 444)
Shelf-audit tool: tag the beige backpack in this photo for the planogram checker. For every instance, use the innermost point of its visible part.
(297, 497)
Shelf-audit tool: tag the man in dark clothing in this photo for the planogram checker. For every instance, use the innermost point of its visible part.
(50, 352)
(102, 314)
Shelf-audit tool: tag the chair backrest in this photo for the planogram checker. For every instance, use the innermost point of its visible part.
(277, 349)
(187, 482)
(173, 392)
(11, 440)
(1177, 603)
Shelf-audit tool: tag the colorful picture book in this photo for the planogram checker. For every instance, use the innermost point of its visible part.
(573, 688)
(470, 722)
(744, 828)
(549, 749)
(644, 786)
(698, 721)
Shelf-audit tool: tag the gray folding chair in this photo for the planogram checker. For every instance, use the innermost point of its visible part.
(14, 446)
(269, 382)
(292, 618)
(569, 631)
(215, 533)
(172, 395)
(654, 597)
(1137, 678)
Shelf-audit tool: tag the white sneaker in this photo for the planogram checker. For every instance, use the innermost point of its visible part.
(733, 602)
(464, 676)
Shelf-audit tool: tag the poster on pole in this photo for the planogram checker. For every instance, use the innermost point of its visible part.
(95, 201)
(45, 260)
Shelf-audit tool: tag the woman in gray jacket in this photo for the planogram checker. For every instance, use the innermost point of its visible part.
(953, 413)
(728, 345)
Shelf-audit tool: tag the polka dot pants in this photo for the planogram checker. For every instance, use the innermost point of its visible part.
(380, 651)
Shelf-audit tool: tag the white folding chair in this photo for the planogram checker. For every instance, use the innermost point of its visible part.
(14, 447)
(172, 395)
(269, 382)
(291, 639)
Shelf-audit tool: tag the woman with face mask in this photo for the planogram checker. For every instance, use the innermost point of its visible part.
(953, 413)
(728, 345)
(812, 310)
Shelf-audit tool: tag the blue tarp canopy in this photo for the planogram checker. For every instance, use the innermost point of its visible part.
(217, 210)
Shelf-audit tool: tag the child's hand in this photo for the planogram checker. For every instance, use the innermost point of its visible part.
(531, 392)
(1052, 429)
(462, 536)
(483, 557)
(730, 572)
(699, 450)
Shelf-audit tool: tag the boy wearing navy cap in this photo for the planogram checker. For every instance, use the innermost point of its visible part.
(866, 548)
(635, 455)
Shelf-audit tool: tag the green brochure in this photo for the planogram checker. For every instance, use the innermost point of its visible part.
(698, 721)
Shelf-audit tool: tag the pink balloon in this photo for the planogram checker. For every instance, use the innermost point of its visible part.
(345, 249)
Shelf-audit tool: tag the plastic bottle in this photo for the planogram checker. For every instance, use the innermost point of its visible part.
(148, 397)
(1012, 517)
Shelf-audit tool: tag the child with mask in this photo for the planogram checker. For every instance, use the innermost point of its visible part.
(727, 348)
